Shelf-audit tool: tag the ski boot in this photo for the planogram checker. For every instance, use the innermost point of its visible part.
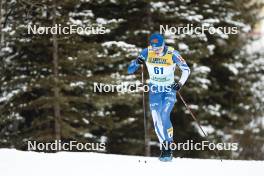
(166, 152)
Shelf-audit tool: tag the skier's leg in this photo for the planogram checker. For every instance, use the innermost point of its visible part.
(155, 100)
(168, 101)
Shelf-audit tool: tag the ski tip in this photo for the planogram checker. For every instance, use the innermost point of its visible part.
(142, 161)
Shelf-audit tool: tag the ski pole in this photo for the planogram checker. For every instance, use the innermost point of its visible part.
(195, 119)
(147, 151)
(193, 116)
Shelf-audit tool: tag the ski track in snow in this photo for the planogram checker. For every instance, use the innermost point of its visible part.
(14, 163)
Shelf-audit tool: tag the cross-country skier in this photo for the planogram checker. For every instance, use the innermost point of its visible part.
(161, 61)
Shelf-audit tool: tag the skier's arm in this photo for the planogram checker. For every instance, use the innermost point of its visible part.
(183, 66)
(134, 65)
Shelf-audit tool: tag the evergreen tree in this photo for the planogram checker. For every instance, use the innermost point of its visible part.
(48, 93)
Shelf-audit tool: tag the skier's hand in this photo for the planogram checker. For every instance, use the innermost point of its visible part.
(133, 67)
(140, 60)
(176, 86)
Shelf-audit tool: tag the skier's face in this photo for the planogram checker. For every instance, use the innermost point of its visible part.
(158, 50)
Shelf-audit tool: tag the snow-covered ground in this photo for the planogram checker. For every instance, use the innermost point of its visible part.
(18, 163)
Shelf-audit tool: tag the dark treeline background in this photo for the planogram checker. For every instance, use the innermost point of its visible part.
(47, 81)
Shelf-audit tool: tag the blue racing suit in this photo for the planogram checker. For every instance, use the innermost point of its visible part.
(162, 97)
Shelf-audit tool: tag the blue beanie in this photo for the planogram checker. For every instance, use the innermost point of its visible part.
(156, 40)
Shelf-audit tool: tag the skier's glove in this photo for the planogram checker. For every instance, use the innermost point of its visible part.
(176, 86)
(140, 60)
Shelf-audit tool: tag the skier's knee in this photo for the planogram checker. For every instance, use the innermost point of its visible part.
(168, 107)
(154, 106)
